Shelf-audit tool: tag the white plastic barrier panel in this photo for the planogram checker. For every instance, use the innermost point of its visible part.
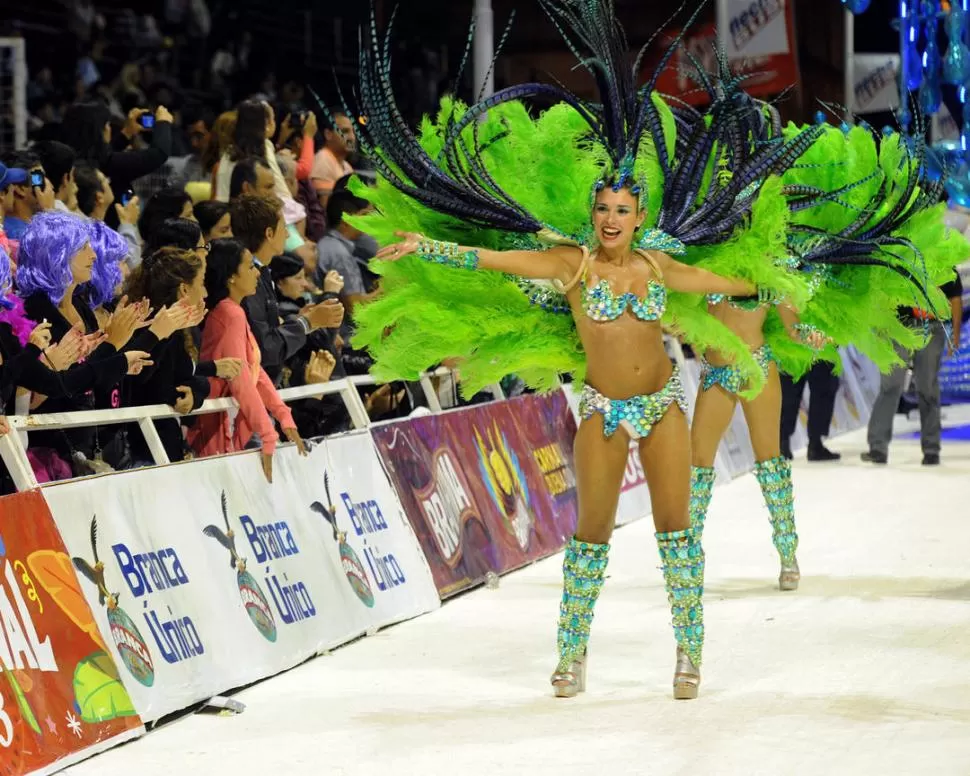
(204, 577)
(364, 531)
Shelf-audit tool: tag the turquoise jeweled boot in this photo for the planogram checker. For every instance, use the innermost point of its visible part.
(774, 477)
(583, 570)
(683, 566)
(701, 490)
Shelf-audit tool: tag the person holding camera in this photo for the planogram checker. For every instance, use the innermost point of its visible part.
(295, 138)
(87, 129)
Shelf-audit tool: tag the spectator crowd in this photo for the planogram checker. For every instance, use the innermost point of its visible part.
(156, 249)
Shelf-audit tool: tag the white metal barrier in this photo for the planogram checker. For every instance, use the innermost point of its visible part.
(14, 453)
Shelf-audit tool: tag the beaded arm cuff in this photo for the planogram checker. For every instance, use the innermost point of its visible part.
(810, 335)
(448, 253)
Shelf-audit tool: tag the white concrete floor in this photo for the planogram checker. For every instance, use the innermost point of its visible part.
(865, 670)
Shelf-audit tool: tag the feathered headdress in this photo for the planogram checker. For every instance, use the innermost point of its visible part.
(695, 208)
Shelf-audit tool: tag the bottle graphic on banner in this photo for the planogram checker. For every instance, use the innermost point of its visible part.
(353, 568)
(253, 599)
(506, 484)
(127, 638)
(459, 533)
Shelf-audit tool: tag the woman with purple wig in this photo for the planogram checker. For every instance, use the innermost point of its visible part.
(56, 258)
(28, 360)
(110, 251)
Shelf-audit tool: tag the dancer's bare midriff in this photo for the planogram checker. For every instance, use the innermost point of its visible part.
(625, 357)
(747, 324)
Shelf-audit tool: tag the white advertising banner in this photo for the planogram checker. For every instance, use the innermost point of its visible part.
(874, 82)
(364, 531)
(756, 28)
(204, 577)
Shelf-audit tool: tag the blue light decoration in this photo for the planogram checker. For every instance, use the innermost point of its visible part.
(908, 39)
(930, 96)
(956, 62)
(857, 6)
(965, 131)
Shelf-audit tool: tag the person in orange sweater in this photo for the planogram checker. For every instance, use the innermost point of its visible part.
(230, 276)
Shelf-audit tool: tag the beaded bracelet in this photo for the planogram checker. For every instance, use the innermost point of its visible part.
(805, 332)
(447, 253)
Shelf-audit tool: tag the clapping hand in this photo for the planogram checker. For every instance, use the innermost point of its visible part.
(126, 319)
(320, 367)
(333, 283)
(71, 349)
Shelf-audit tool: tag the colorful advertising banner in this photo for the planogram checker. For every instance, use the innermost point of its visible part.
(61, 698)
(205, 577)
(487, 488)
(382, 575)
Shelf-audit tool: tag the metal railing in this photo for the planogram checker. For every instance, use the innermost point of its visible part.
(14, 452)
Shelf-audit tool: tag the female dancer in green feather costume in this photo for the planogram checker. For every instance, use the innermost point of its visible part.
(616, 188)
(901, 248)
(617, 297)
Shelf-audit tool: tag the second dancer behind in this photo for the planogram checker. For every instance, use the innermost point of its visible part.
(721, 388)
(879, 241)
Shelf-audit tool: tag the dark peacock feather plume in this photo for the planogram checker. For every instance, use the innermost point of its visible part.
(874, 237)
(457, 184)
(741, 134)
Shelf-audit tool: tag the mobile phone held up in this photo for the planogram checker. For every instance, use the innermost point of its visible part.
(127, 197)
(147, 121)
(37, 179)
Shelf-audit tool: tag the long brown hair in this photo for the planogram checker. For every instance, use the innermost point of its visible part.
(219, 140)
(158, 279)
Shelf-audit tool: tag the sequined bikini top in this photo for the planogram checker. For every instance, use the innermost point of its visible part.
(601, 304)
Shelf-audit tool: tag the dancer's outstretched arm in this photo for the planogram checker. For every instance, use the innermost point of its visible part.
(557, 263)
(694, 280)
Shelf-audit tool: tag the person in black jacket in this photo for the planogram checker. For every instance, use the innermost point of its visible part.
(87, 129)
(187, 235)
(317, 361)
(257, 222)
(165, 278)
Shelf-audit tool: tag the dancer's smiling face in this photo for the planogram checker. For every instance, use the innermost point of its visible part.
(616, 216)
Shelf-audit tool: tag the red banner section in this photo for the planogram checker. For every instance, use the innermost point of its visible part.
(759, 44)
(488, 488)
(61, 698)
